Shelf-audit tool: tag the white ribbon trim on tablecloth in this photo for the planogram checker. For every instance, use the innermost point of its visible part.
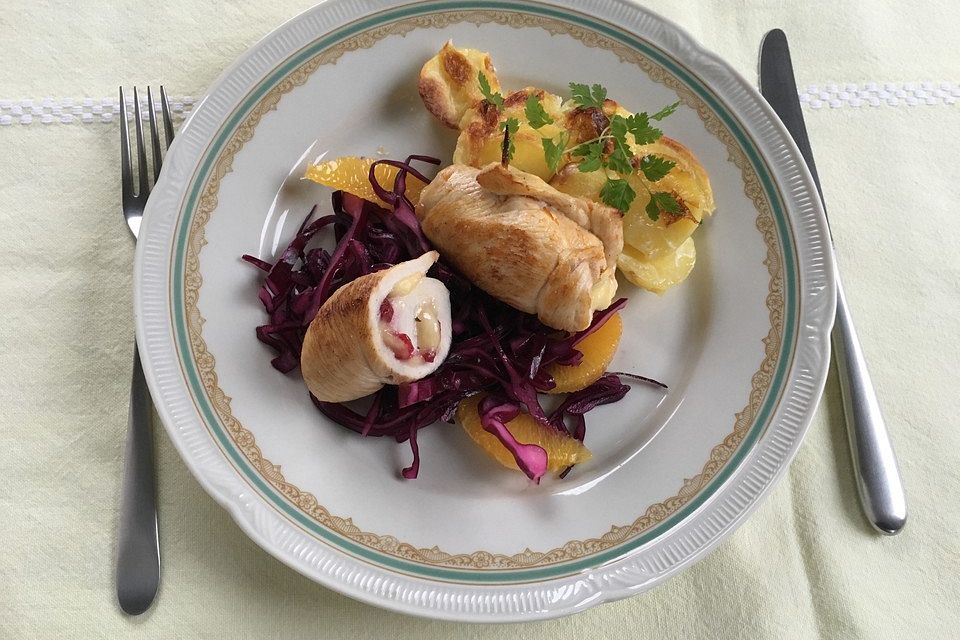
(81, 110)
(834, 96)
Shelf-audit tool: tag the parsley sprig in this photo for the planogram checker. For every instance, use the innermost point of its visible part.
(611, 151)
(553, 150)
(621, 161)
(537, 118)
(588, 96)
(489, 95)
(536, 115)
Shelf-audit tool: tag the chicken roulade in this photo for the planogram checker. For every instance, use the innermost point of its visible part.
(525, 243)
(386, 327)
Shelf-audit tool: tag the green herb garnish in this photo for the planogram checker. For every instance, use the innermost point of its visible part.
(588, 96)
(654, 167)
(639, 127)
(592, 154)
(667, 110)
(617, 193)
(611, 151)
(662, 202)
(553, 150)
(535, 113)
(489, 95)
(620, 158)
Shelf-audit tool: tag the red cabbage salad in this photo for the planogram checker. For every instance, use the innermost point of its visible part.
(495, 348)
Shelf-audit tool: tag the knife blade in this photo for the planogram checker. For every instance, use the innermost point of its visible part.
(879, 484)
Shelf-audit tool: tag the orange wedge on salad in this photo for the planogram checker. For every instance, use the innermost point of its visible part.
(562, 450)
(351, 174)
(598, 350)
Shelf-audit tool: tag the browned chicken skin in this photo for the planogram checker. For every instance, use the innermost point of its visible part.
(524, 242)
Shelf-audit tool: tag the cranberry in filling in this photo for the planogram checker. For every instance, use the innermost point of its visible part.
(399, 343)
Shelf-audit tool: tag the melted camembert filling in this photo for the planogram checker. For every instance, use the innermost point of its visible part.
(425, 318)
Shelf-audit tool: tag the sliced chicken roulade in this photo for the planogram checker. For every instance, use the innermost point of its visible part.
(386, 327)
(522, 241)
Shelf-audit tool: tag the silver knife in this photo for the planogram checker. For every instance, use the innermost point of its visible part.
(874, 463)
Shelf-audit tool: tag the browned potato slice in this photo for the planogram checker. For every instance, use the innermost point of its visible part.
(481, 139)
(658, 274)
(584, 185)
(688, 181)
(449, 82)
(653, 238)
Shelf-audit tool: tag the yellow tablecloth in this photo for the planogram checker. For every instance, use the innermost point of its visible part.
(805, 565)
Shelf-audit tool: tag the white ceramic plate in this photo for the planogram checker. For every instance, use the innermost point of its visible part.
(743, 343)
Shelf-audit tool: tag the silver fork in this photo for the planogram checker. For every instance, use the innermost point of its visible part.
(138, 548)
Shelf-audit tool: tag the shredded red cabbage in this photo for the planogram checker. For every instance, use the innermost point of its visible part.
(495, 348)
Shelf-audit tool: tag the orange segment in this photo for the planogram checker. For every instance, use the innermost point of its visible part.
(562, 450)
(598, 350)
(351, 174)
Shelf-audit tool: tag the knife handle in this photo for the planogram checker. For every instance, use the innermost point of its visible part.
(874, 464)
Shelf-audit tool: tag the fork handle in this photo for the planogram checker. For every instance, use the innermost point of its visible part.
(874, 464)
(138, 550)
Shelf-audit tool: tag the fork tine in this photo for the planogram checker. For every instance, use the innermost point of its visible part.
(141, 148)
(126, 170)
(167, 119)
(154, 137)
